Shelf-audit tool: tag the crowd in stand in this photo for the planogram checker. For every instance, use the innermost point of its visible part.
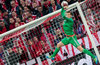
(14, 13)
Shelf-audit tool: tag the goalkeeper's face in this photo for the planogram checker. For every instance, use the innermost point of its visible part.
(68, 14)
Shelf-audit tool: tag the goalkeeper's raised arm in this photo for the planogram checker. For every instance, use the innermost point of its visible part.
(65, 15)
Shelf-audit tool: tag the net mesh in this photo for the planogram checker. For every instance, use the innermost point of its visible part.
(32, 46)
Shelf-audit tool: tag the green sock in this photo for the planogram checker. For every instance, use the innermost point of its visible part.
(89, 53)
(55, 52)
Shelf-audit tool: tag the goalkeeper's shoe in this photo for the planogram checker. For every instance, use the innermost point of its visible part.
(49, 57)
(96, 60)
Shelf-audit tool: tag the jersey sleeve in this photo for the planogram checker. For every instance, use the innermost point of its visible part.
(63, 15)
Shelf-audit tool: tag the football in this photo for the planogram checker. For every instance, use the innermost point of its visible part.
(64, 3)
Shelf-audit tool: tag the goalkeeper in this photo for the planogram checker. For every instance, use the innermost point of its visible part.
(70, 36)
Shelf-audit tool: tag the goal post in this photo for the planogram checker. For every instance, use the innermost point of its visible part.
(12, 37)
(35, 22)
(88, 31)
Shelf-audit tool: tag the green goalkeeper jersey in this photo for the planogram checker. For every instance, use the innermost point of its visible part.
(68, 23)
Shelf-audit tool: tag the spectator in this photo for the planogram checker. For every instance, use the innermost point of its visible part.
(37, 31)
(1, 15)
(50, 37)
(1, 55)
(14, 15)
(48, 26)
(19, 21)
(30, 15)
(3, 27)
(12, 57)
(7, 4)
(45, 47)
(23, 54)
(18, 43)
(90, 15)
(58, 1)
(2, 6)
(40, 12)
(30, 19)
(6, 17)
(20, 50)
(17, 24)
(15, 7)
(78, 30)
(38, 2)
(21, 4)
(27, 3)
(61, 25)
(31, 48)
(53, 6)
(36, 41)
(90, 21)
(1, 52)
(15, 46)
(8, 43)
(26, 9)
(46, 5)
(70, 1)
(12, 23)
(34, 8)
(27, 15)
(58, 37)
(98, 24)
(1, 62)
(24, 17)
(37, 46)
(55, 22)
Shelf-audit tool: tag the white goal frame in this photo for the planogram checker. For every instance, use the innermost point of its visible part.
(51, 14)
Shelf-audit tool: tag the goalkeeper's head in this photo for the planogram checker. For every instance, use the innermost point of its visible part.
(69, 14)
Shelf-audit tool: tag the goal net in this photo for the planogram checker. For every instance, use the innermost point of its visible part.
(29, 44)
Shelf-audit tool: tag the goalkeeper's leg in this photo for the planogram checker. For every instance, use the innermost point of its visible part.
(75, 43)
(60, 44)
(88, 52)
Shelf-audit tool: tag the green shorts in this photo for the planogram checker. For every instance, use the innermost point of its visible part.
(72, 40)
